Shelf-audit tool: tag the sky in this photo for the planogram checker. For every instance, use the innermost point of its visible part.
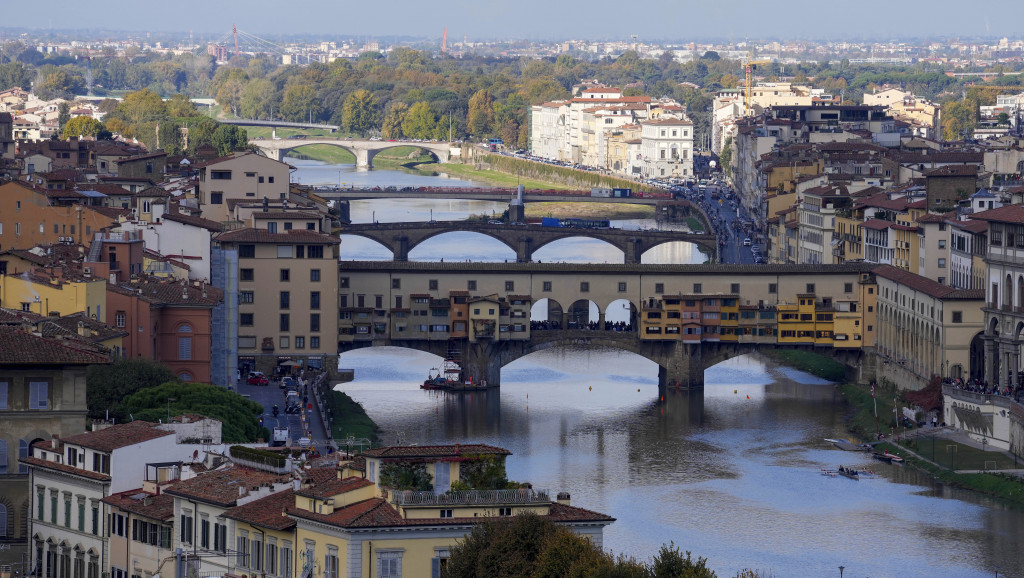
(651, 20)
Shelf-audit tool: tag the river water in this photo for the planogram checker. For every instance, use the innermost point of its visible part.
(732, 473)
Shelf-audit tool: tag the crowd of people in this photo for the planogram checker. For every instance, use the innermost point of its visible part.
(591, 326)
(981, 386)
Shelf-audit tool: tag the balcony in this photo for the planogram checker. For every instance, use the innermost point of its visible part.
(471, 497)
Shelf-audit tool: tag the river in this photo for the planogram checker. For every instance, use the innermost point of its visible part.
(731, 473)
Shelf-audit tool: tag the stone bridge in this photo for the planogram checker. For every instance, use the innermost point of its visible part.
(401, 238)
(680, 365)
(364, 150)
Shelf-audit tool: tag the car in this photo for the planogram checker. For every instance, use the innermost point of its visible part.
(746, 242)
(288, 382)
(257, 378)
(495, 222)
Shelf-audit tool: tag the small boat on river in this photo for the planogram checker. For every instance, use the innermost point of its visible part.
(846, 445)
(893, 458)
(849, 473)
(449, 376)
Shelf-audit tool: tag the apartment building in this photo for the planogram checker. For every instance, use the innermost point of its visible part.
(239, 177)
(1004, 301)
(667, 147)
(287, 275)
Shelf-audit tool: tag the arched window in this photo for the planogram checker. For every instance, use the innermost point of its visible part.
(3, 521)
(3, 457)
(1008, 291)
(184, 342)
(185, 376)
(23, 447)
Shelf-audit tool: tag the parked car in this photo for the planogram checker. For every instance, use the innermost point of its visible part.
(257, 378)
(287, 382)
(746, 242)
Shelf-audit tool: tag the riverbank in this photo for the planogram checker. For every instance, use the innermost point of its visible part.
(610, 211)
(809, 362)
(349, 418)
(489, 177)
(862, 423)
(405, 157)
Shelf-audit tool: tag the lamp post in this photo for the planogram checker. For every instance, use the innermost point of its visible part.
(841, 568)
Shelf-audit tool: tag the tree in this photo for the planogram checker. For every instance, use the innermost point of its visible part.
(201, 133)
(258, 99)
(169, 137)
(14, 74)
(711, 55)
(239, 416)
(300, 103)
(58, 82)
(1003, 118)
(107, 386)
(63, 115)
(481, 114)
(142, 106)
(181, 106)
(360, 114)
(228, 138)
(959, 118)
(229, 95)
(391, 128)
(670, 563)
(419, 121)
(726, 157)
(82, 126)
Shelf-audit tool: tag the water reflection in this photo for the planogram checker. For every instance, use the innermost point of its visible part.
(731, 473)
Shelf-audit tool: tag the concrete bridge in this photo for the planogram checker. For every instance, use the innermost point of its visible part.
(363, 150)
(478, 194)
(719, 312)
(401, 238)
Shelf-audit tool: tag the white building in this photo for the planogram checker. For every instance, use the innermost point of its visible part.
(667, 147)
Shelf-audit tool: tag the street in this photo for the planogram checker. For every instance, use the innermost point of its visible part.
(305, 423)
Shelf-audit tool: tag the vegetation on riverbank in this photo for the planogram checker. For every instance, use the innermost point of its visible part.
(611, 211)
(941, 456)
(350, 419)
(694, 224)
(395, 158)
(810, 362)
(493, 178)
(569, 177)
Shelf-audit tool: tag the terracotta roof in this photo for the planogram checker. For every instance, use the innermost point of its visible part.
(221, 486)
(954, 171)
(286, 215)
(268, 512)
(68, 325)
(447, 451)
(158, 507)
(200, 222)
(18, 347)
(926, 285)
(170, 292)
(17, 317)
(251, 235)
(47, 464)
(970, 225)
(118, 436)
(333, 487)
(878, 224)
(939, 157)
(1004, 214)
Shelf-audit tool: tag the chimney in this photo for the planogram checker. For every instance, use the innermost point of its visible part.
(55, 442)
(266, 204)
(563, 498)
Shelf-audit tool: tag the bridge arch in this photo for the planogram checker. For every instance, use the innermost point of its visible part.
(363, 150)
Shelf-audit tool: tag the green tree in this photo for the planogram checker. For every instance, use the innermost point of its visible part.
(181, 106)
(419, 122)
(726, 156)
(391, 128)
(63, 115)
(258, 99)
(142, 106)
(670, 563)
(228, 138)
(360, 113)
(1003, 118)
(82, 126)
(481, 114)
(959, 118)
(58, 82)
(169, 137)
(107, 386)
(300, 103)
(15, 74)
(201, 133)
(240, 417)
(229, 95)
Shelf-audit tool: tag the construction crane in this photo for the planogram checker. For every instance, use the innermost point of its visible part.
(750, 67)
(444, 41)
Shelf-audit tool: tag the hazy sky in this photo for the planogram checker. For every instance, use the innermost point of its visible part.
(672, 20)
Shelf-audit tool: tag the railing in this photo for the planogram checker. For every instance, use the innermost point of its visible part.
(471, 497)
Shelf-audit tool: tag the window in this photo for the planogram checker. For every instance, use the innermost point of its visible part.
(848, 287)
(242, 548)
(314, 275)
(284, 251)
(185, 343)
(286, 274)
(245, 297)
(505, 511)
(510, 285)
(286, 559)
(659, 288)
(39, 395)
(584, 287)
(3, 470)
(271, 560)
(216, 198)
(622, 287)
(285, 300)
(314, 300)
(220, 175)
(331, 564)
(958, 317)
(287, 226)
(204, 532)
(186, 528)
(942, 263)
(270, 179)
(734, 288)
(396, 283)
(285, 322)
(247, 251)
(314, 322)
(314, 342)
(245, 319)
(246, 275)
(343, 282)
(3, 394)
(220, 537)
(698, 287)
(471, 285)
(810, 288)
(432, 284)
(315, 252)
(389, 564)
(300, 342)
(546, 286)
(446, 513)
(257, 553)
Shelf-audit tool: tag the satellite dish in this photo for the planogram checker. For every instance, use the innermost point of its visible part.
(713, 164)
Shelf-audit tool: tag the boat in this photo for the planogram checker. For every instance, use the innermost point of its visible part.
(449, 376)
(848, 446)
(893, 458)
(849, 473)
(882, 457)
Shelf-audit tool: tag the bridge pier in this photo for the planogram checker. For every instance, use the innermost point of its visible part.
(524, 250)
(400, 248)
(681, 366)
(363, 158)
(635, 253)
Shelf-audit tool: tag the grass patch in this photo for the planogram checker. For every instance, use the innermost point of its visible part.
(694, 224)
(282, 132)
(610, 211)
(490, 177)
(350, 418)
(1005, 486)
(956, 456)
(862, 422)
(329, 154)
(810, 362)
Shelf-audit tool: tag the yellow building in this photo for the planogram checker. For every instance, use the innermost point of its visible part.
(356, 526)
(43, 293)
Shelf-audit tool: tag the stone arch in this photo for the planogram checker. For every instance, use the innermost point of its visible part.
(552, 248)
(582, 314)
(367, 238)
(622, 310)
(552, 312)
(1008, 291)
(1020, 291)
(511, 250)
(372, 153)
(340, 144)
(993, 327)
